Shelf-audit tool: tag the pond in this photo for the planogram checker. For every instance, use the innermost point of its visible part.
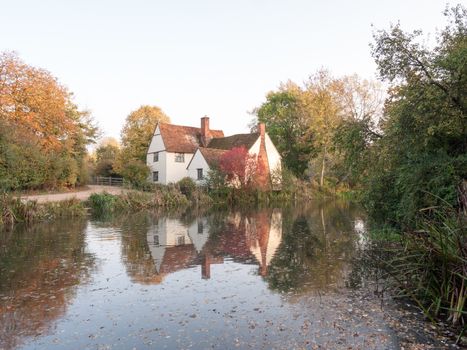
(265, 278)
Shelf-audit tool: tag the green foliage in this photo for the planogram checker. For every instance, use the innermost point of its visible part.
(106, 157)
(421, 158)
(102, 202)
(135, 173)
(14, 210)
(187, 186)
(286, 123)
(430, 265)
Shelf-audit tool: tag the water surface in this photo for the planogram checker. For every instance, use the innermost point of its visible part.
(269, 278)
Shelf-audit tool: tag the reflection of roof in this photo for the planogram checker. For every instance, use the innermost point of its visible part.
(177, 258)
(212, 156)
(183, 139)
(227, 143)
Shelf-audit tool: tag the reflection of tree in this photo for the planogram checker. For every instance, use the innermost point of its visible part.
(136, 255)
(316, 246)
(39, 269)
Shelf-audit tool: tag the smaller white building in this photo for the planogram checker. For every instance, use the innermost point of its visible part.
(258, 144)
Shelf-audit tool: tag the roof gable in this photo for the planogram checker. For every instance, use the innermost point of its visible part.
(183, 139)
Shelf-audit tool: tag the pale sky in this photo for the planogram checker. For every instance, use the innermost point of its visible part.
(200, 57)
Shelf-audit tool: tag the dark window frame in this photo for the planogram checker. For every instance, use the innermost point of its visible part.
(199, 173)
(179, 157)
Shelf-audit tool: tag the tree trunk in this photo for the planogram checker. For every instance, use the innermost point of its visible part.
(322, 168)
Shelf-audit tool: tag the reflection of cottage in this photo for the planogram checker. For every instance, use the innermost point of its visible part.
(179, 151)
(174, 246)
(265, 236)
(251, 239)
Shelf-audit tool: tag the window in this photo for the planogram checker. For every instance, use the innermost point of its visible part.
(200, 174)
(200, 227)
(156, 240)
(155, 176)
(180, 240)
(180, 157)
(156, 157)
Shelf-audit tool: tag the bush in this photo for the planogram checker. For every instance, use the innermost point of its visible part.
(187, 186)
(102, 202)
(136, 174)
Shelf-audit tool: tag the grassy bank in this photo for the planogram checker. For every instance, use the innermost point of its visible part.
(183, 194)
(429, 264)
(14, 211)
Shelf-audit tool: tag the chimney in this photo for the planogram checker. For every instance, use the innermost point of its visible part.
(205, 133)
(262, 130)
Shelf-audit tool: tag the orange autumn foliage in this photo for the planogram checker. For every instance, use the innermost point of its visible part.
(31, 99)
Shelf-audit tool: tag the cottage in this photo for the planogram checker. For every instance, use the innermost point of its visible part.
(173, 146)
(179, 151)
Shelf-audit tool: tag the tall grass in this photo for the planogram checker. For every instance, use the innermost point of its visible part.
(430, 265)
(14, 210)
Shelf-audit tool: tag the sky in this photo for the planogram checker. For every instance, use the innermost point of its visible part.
(194, 58)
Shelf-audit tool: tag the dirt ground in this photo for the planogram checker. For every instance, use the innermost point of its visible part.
(81, 195)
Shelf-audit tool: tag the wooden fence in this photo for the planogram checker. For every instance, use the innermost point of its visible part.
(108, 181)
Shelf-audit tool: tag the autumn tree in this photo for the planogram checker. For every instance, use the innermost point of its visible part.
(239, 167)
(137, 131)
(106, 155)
(38, 117)
(361, 104)
(324, 115)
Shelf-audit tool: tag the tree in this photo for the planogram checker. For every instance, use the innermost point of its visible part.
(421, 158)
(138, 130)
(106, 155)
(361, 111)
(239, 167)
(286, 122)
(324, 113)
(44, 134)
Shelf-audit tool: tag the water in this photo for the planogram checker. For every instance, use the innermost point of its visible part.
(267, 278)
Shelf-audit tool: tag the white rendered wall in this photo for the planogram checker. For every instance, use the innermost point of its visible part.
(157, 145)
(254, 150)
(168, 231)
(274, 159)
(199, 239)
(175, 170)
(198, 162)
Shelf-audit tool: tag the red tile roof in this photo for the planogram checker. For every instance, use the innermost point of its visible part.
(212, 156)
(183, 139)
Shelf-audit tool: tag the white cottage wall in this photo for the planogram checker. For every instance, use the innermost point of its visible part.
(198, 162)
(177, 170)
(274, 159)
(157, 145)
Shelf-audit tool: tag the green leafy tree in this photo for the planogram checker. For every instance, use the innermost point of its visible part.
(421, 158)
(106, 156)
(286, 121)
(137, 133)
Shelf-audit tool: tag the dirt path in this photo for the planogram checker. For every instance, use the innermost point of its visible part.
(81, 195)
